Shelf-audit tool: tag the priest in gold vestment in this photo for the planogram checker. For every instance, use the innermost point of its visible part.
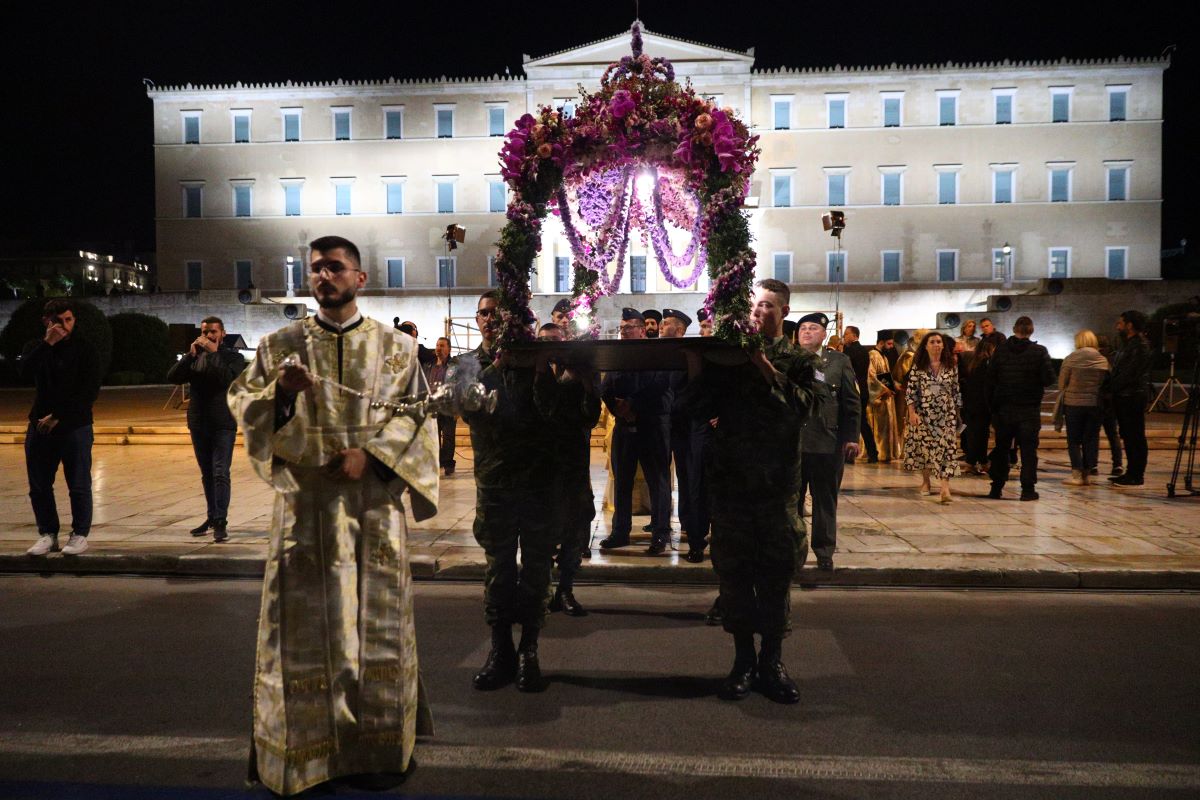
(336, 688)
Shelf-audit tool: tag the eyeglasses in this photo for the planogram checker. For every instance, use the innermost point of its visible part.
(332, 267)
(485, 312)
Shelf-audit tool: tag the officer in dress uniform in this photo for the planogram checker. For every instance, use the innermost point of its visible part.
(830, 436)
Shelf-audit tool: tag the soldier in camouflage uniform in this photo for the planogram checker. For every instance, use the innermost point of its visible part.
(574, 415)
(758, 538)
(514, 509)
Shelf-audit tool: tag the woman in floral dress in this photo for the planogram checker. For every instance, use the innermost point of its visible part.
(933, 398)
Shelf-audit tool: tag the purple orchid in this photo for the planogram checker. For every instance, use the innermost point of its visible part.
(621, 104)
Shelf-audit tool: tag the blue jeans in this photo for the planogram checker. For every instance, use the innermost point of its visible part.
(1083, 435)
(43, 453)
(214, 454)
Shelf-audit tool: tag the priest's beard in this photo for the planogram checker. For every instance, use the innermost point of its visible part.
(328, 296)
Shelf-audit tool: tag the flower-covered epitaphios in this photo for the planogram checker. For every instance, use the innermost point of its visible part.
(641, 128)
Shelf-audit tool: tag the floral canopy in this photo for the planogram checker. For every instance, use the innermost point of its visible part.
(641, 129)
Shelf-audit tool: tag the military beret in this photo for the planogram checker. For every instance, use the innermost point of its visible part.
(652, 313)
(677, 314)
(816, 317)
(630, 313)
(562, 307)
(702, 314)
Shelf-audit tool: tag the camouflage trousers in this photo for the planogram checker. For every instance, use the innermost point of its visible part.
(576, 510)
(508, 521)
(756, 552)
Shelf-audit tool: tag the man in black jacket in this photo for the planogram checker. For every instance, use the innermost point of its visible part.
(66, 373)
(1018, 376)
(209, 368)
(860, 360)
(1129, 381)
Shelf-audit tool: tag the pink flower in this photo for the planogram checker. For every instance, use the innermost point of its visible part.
(704, 122)
(544, 150)
(621, 104)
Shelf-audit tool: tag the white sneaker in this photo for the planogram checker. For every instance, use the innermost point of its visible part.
(43, 545)
(75, 545)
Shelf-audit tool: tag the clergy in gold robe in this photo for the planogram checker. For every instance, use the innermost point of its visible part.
(336, 687)
(881, 408)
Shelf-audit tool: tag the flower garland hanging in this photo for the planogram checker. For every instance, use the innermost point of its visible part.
(699, 159)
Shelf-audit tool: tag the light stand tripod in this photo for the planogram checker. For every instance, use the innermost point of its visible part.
(1168, 391)
(1187, 436)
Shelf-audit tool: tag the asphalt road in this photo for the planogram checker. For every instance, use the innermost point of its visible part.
(140, 688)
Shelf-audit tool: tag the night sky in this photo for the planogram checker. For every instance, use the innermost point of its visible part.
(77, 130)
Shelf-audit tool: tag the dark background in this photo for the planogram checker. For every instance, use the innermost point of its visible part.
(77, 132)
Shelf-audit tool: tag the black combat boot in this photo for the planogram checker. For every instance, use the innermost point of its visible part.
(220, 530)
(564, 601)
(529, 673)
(501, 664)
(773, 679)
(741, 678)
(200, 530)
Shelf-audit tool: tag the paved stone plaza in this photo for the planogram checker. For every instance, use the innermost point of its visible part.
(147, 496)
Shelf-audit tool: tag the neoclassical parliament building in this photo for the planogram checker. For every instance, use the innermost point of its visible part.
(938, 168)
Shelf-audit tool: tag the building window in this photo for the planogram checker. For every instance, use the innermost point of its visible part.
(241, 126)
(395, 197)
(445, 196)
(291, 124)
(1060, 104)
(891, 265)
(242, 272)
(1118, 182)
(447, 266)
(496, 121)
(195, 275)
(948, 107)
(241, 201)
(341, 124)
(395, 273)
(893, 107)
(781, 113)
(947, 186)
(637, 274)
(341, 193)
(893, 188)
(782, 264)
(1116, 260)
(1060, 184)
(1003, 184)
(835, 266)
(1060, 262)
(781, 190)
(445, 121)
(298, 270)
(393, 123)
(1002, 100)
(835, 109)
(562, 274)
(835, 184)
(497, 199)
(193, 201)
(1118, 103)
(291, 200)
(947, 265)
(191, 127)
(493, 281)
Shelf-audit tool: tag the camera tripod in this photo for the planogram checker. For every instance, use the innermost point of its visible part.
(1167, 392)
(1187, 438)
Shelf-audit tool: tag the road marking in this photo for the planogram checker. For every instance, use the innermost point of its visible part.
(430, 754)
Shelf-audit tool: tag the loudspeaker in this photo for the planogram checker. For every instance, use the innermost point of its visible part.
(1170, 337)
(249, 296)
(949, 319)
(999, 302)
(295, 311)
(1055, 286)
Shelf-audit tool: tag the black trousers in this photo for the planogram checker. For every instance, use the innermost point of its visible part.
(214, 455)
(868, 435)
(821, 477)
(700, 518)
(43, 453)
(447, 426)
(1131, 419)
(681, 446)
(645, 443)
(975, 437)
(1018, 428)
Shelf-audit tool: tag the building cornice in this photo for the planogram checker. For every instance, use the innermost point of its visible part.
(1148, 62)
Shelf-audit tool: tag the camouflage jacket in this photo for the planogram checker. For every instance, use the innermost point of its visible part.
(515, 446)
(755, 450)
